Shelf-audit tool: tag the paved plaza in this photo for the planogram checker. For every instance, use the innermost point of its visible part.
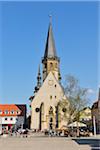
(48, 143)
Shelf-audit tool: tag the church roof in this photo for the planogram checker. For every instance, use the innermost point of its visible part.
(50, 50)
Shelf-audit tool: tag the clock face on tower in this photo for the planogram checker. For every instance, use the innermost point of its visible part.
(50, 82)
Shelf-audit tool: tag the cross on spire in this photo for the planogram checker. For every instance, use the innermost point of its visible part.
(50, 17)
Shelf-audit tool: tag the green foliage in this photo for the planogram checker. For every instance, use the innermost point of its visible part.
(76, 95)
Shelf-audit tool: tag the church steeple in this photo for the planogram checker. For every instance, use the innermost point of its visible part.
(50, 60)
(50, 50)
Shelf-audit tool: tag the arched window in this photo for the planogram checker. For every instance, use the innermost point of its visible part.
(51, 119)
(51, 65)
(41, 115)
(51, 110)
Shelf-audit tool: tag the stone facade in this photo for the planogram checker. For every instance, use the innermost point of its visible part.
(46, 101)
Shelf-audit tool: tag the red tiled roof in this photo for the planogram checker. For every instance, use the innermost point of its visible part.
(12, 107)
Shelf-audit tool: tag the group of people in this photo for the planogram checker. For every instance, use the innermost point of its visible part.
(67, 133)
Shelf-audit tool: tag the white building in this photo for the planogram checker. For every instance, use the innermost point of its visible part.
(12, 116)
(0, 125)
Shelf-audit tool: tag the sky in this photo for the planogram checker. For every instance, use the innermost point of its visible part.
(23, 33)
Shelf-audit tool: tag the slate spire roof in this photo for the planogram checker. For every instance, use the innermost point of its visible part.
(50, 50)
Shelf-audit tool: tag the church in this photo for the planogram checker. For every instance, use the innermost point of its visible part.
(46, 110)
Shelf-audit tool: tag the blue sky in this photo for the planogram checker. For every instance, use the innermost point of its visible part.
(23, 31)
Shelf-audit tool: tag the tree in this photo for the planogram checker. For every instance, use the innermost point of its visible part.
(77, 97)
(63, 109)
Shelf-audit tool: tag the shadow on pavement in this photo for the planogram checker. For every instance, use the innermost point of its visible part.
(93, 143)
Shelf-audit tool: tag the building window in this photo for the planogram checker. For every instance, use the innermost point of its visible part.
(6, 112)
(5, 118)
(51, 110)
(17, 112)
(11, 118)
(51, 119)
(16, 119)
(12, 112)
(50, 96)
(51, 65)
(55, 85)
(64, 110)
(0, 111)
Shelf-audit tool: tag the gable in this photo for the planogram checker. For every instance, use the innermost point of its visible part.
(50, 87)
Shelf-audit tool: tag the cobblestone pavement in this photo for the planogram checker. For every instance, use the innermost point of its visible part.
(42, 143)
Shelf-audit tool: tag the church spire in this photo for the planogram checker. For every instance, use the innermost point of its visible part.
(50, 60)
(50, 50)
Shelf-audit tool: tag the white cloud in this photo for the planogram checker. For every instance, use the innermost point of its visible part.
(91, 91)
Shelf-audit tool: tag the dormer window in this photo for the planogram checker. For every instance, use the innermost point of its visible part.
(0, 111)
(6, 111)
(12, 112)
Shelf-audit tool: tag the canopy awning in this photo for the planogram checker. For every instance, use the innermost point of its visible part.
(75, 124)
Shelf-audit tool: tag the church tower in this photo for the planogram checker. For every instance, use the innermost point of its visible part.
(45, 109)
(50, 60)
